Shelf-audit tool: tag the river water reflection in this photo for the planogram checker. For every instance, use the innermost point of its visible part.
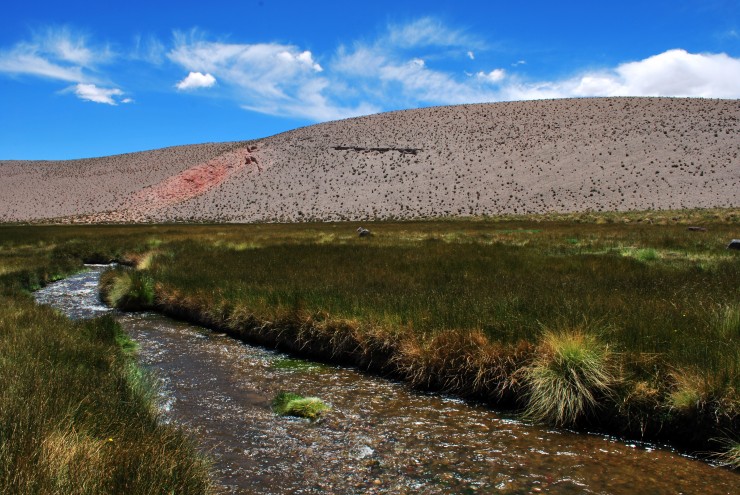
(381, 436)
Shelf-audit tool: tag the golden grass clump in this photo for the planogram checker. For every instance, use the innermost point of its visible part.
(70, 460)
(689, 393)
(464, 362)
(570, 373)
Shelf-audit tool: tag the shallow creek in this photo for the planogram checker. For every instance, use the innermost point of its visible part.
(381, 436)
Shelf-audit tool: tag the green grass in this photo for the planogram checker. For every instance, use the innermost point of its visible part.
(461, 305)
(572, 370)
(290, 404)
(127, 289)
(292, 364)
(77, 414)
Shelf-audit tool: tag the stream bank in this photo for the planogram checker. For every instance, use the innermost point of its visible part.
(381, 437)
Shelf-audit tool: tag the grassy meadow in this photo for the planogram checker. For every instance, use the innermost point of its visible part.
(627, 323)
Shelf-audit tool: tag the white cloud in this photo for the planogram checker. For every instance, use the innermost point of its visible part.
(55, 53)
(679, 73)
(307, 59)
(362, 61)
(272, 78)
(414, 83)
(495, 76)
(393, 80)
(148, 49)
(404, 67)
(196, 80)
(429, 31)
(59, 53)
(671, 73)
(23, 62)
(68, 47)
(91, 92)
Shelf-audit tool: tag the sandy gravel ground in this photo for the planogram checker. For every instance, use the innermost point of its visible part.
(519, 157)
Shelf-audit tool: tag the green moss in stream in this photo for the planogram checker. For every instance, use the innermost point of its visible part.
(290, 404)
(292, 364)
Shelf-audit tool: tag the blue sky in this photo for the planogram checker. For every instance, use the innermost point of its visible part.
(91, 78)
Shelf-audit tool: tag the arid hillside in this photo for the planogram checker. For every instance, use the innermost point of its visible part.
(518, 157)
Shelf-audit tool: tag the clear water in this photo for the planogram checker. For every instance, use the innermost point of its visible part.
(381, 436)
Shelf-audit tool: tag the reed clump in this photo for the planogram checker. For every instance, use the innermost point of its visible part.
(568, 377)
(129, 290)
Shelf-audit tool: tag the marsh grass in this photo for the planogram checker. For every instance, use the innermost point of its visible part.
(570, 373)
(455, 305)
(77, 415)
(688, 396)
(127, 289)
(290, 404)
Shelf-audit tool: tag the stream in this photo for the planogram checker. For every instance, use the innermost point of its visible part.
(380, 437)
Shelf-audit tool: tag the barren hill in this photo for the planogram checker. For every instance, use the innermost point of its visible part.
(518, 157)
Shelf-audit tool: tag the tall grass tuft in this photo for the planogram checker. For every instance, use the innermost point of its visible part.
(126, 289)
(570, 372)
(728, 322)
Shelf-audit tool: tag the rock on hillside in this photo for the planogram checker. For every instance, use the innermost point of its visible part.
(517, 157)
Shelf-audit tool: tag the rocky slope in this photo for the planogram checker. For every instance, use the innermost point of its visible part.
(518, 157)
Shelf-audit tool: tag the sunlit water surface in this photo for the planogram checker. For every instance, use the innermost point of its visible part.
(381, 436)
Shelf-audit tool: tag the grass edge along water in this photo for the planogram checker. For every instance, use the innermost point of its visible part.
(614, 388)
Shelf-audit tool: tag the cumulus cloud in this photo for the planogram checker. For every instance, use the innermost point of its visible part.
(196, 80)
(471, 55)
(671, 73)
(387, 74)
(91, 92)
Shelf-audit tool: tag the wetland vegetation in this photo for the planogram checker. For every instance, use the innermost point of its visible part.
(626, 323)
(77, 414)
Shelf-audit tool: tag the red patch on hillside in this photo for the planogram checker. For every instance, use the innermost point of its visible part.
(193, 181)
